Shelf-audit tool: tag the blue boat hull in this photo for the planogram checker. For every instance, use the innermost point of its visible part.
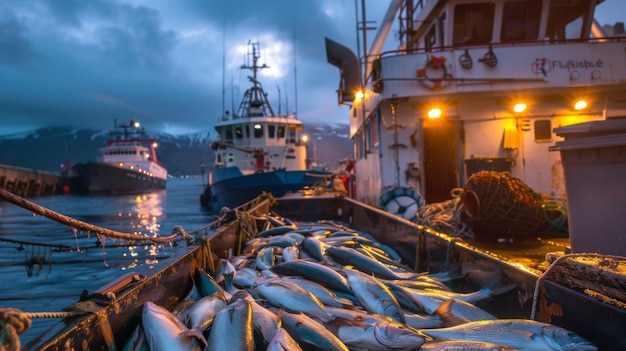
(228, 187)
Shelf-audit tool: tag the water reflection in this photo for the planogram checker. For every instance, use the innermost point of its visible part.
(87, 261)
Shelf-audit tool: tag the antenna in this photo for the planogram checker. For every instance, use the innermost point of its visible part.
(223, 66)
(295, 70)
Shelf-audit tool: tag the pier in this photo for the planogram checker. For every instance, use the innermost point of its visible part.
(28, 182)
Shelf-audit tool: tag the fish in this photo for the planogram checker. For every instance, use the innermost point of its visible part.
(232, 328)
(352, 257)
(314, 271)
(431, 301)
(384, 334)
(326, 296)
(207, 285)
(202, 313)
(163, 331)
(462, 345)
(264, 322)
(266, 258)
(290, 253)
(310, 334)
(520, 334)
(282, 341)
(290, 296)
(373, 295)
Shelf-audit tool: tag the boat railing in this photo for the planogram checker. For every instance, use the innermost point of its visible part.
(374, 76)
(498, 44)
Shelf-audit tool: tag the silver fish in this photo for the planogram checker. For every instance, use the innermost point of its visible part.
(264, 321)
(521, 334)
(373, 295)
(232, 328)
(266, 258)
(352, 257)
(314, 271)
(291, 253)
(290, 296)
(202, 313)
(282, 341)
(309, 333)
(430, 301)
(327, 297)
(462, 345)
(164, 331)
(385, 334)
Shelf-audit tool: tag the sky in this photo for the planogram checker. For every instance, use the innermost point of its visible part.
(174, 65)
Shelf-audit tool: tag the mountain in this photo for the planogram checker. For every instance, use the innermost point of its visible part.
(51, 148)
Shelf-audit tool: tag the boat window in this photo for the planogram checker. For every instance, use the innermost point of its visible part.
(442, 25)
(246, 129)
(520, 20)
(473, 23)
(228, 134)
(374, 132)
(281, 131)
(543, 130)
(431, 38)
(291, 136)
(258, 130)
(271, 131)
(239, 131)
(566, 19)
(358, 145)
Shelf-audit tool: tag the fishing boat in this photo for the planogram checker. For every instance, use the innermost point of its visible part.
(257, 150)
(479, 86)
(555, 296)
(127, 164)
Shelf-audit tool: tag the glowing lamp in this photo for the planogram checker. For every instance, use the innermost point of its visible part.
(521, 107)
(434, 113)
(305, 138)
(580, 105)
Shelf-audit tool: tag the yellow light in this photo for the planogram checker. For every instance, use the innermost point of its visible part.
(155, 145)
(434, 113)
(580, 105)
(359, 96)
(521, 107)
(305, 138)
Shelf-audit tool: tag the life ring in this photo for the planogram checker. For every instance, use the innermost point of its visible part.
(435, 66)
(403, 202)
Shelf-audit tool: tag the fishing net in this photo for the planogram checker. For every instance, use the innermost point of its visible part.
(498, 205)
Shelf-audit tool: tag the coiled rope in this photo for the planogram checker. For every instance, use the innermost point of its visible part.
(445, 216)
(80, 225)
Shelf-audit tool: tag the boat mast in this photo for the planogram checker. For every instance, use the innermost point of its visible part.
(256, 95)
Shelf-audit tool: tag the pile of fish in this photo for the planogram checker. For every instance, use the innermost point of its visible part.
(324, 286)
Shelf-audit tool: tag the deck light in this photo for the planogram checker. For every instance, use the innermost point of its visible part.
(580, 105)
(520, 107)
(305, 138)
(434, 113)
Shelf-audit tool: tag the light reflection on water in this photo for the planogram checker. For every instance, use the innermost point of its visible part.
(88, 261)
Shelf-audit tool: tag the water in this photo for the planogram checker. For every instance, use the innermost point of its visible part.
(83, 264)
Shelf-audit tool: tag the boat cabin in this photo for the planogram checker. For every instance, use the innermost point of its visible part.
(476, 85)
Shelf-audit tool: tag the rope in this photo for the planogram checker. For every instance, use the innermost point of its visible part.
(554, 264)
(14, 322)
(80, 225)
(446, 216)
